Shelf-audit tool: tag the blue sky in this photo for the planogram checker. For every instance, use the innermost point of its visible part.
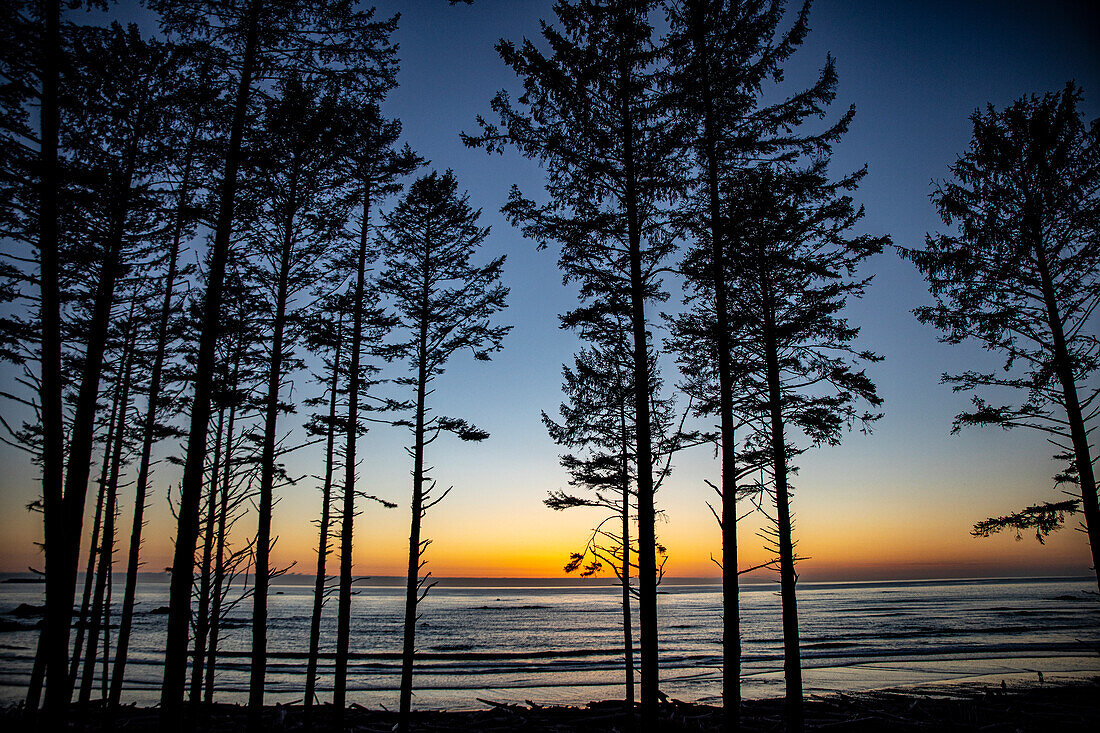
(905, 495)
(915, 72)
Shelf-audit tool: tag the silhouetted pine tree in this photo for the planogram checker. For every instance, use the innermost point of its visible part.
(792, 264)
(31, 59)
(597, 421)
(444, 304)
(236, 28)
(299, 180)
(376, 168)
(723, 55)
(594, 112)
(1020, 274)
(325, 336)
(268, 38)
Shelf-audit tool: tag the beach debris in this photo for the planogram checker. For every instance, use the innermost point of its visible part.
(1063, 705)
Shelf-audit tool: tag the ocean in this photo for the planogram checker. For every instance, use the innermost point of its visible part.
(563, 644)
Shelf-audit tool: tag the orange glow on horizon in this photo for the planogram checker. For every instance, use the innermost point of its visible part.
(832, 552)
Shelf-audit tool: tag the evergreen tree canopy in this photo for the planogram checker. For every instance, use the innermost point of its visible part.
(1020, 274)
(1024, 204)
(442, 300)
(796, 266)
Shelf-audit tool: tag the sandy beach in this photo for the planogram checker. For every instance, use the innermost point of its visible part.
(1060, 704)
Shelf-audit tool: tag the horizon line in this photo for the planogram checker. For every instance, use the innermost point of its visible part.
(25, 576)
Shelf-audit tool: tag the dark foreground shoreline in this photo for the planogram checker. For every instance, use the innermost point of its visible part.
(1066, 705)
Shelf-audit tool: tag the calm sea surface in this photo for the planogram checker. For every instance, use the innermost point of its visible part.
(564, 644)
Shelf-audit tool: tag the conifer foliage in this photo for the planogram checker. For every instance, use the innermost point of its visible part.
(592, 113)
(724, 57)
(1019, 272)
(444, 305)
(204, 230)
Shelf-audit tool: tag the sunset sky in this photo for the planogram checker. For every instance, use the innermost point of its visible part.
(897, 503)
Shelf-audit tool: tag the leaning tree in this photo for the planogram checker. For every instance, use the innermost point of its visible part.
(1019, 275)
(255, 41)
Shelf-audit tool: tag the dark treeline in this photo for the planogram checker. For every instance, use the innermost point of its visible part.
(198, 223)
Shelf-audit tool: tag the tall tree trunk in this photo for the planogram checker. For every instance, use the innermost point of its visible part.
(731, 622)
(54, 640)
(93, 546)
(412, 584)
(148, 436)
(1078, 435)
(322, 540)
(628, 631)
(347, 514)
(647, 557)
(179, 604)
(38, 674)
(106, 668)
(223, 520)
(792, 659)
(267, 482)
(106, 547)
(202, 623)
(82, 434)
(92, 640)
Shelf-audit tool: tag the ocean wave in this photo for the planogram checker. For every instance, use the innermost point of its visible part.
(557, 638)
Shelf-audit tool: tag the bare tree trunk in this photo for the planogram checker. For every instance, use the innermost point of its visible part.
(792, 659)
(223, 519)
(54, 640)
(647, 558)
(1078, 434)
(202, 623)
(106, 548)
(106, 669)
(322, 540)
(267, 483)
(93, 546)
(179, 614)
(416, 545)
(148, 436)
(628, 631)
(731, 624)
(38, 674)
(347, 514)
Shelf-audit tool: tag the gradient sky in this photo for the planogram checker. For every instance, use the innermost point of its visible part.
(897, 503)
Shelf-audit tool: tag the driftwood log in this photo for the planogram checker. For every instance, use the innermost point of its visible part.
(1067, 705)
